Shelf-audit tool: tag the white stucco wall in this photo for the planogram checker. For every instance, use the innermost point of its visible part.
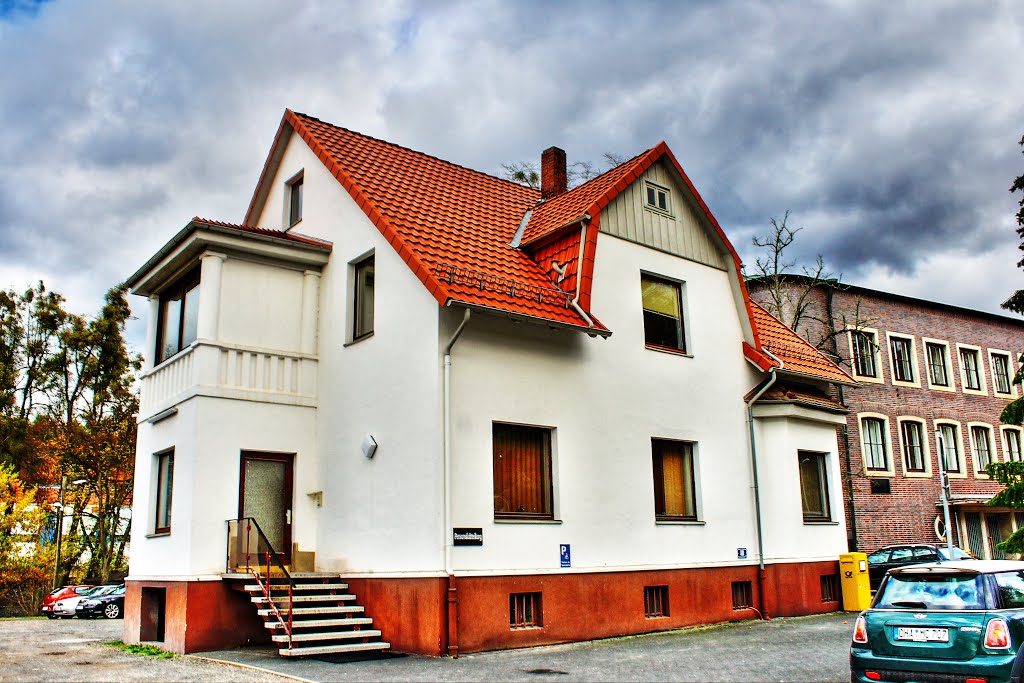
(261, 305)
(382, 515)
(786, 536)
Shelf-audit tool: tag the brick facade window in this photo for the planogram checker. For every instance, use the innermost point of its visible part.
(876, 456)
(1011, 439)
(865, 347)
(950, 448)
(902, 353)
(938, 369)
(1001, 373)
(982, 439)
(913, 445)
(971, 369)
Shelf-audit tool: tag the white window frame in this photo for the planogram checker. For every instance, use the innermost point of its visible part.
(963, 372)
(286, 214)
(992, 353)
(350, 298)
(993, 456)
(890, 470)
(925, 448)
(960, 455)
(1003, 431)
(950, 377)
(915, 371)
(853, 356)
(648, 185)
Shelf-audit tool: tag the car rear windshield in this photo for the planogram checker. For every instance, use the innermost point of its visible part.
(1011, 589)
(932, 591)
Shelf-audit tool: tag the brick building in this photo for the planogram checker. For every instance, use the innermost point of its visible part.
(923, 368)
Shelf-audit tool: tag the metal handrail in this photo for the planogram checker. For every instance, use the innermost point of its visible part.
(272, 558)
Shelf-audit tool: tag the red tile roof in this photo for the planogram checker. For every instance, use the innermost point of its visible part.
(276, 234)
(453, 226)
(796, 354)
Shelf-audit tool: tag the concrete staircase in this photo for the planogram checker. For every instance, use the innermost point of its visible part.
(325, 618)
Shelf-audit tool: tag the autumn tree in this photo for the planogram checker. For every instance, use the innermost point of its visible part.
(1011, 474)
(24, 562)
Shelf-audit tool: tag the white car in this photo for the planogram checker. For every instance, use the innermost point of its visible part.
(65, 609)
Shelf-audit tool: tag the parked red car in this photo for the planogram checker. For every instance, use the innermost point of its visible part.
(60, 594)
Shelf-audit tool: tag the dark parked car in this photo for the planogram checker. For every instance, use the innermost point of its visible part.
(59, 594)
(109, 605)
(891, 556)
(943, 621)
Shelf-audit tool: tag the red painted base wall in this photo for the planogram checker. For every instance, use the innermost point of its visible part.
(412, 613)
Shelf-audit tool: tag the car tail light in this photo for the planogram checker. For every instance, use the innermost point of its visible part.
(860, 631)
(873, 675)
(997, 634)
(976, 680)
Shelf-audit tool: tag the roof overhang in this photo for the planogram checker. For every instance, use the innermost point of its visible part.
(553, 324)
(181, 251)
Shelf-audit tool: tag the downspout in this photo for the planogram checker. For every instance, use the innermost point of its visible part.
(453, 640)
(575, 302)
(757, 489)
(846, 429)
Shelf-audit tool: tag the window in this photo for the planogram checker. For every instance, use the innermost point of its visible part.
(982, 440)
(1011, 437)
(1001, 373)
(814, 486)
(522, 472)
(873, 431)
(949, 447)
(657, 198)
(830, 590)
(164, 486)
(673, 480)
(938, 366)
(663, 313)
(913, 445)
(903, 359)
(655, 602)
(295, 200)
(865, 349)
(742, 595)
(971, 370)
(179, 316)
(524, 610)
(362, 298)
(925, 555)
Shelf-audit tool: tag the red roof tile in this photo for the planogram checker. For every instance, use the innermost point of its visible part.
(277, 234)
(796, 354)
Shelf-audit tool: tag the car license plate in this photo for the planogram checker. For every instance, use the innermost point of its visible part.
(922, 635)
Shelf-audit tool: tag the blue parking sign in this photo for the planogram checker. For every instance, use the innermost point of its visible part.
(564, 555)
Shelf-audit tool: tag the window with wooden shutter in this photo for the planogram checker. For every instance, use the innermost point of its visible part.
(674, 497)
(522, 472)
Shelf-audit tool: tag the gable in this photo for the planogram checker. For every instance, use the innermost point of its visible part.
(681, 231)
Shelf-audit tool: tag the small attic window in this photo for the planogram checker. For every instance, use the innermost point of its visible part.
(294, 195)
(657, 198)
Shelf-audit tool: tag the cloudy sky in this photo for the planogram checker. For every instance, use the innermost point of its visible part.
(889, 130)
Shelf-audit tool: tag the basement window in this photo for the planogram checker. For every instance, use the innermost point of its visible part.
(830, 588)
(742, 595)
(524, 610)
(655, 602)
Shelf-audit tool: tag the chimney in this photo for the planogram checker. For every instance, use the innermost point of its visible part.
(553, 181)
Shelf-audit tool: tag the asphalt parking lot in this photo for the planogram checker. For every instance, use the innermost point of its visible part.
(797, 649)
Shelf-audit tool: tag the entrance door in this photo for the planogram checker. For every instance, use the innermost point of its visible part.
(266, 496)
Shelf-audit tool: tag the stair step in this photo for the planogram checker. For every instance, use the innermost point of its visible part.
(255, 587)
(283, 600)
(298, 611)
(330, 635)
(332, 649)
(321, 623)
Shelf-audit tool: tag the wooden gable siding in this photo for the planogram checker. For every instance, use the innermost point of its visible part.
(682, 233)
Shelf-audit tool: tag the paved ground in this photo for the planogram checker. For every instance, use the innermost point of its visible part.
(801, 649)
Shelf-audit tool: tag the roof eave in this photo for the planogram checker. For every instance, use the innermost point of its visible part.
(490, 310)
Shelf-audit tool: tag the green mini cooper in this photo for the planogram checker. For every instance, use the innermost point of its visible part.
(957, 622)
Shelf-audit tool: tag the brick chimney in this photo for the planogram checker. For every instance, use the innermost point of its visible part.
(553, 181)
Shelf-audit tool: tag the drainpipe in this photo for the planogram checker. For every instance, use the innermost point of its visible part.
(757, 490)
(846, 429)
(453, 642)
(575, 303)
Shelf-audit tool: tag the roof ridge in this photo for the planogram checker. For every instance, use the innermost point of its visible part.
(416, 151)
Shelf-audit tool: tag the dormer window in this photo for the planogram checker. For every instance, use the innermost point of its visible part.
(657, 198)
(295, 199)
(179, 316)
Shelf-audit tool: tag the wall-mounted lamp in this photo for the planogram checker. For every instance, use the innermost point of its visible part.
(369, 446)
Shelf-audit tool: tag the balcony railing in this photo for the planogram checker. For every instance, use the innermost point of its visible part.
(249, 552)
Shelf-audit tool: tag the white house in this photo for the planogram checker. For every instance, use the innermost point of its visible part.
(505, 417)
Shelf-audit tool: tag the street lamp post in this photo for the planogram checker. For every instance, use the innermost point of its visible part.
(940, 442)
(58, 507)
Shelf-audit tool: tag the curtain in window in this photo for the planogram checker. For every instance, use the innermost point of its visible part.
(1013, 445)
(901, 360)
(874, 444)
(1002, 373)
(864, 354)
(970, 361)
(813, 486)
(673, 479)
(522, 471)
